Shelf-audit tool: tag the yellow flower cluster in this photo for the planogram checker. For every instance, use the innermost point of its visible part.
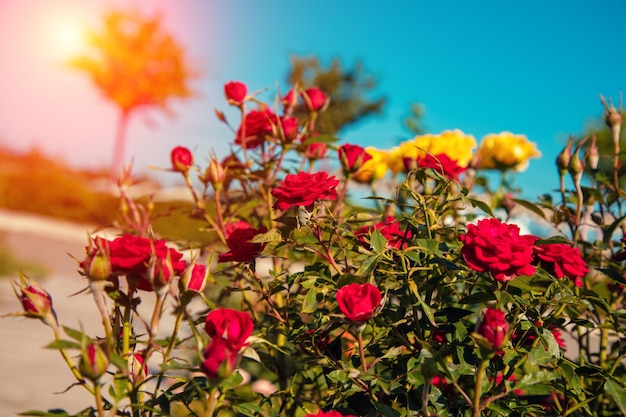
(506, 151)
(497, 151)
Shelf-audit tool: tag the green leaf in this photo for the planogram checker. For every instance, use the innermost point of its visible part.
(478, 298)
(613, 274)
(75, 334)
(531, 206)
(386, 411)
(378, 241)
(270, 236)
(481, 205)
(63, 344)
(453, 314)
(616, 391)
(549, 341)
(50, 413)
(310, 301)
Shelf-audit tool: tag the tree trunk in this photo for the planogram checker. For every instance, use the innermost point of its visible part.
(120, 144)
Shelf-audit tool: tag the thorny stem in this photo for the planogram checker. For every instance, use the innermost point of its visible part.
(70, 363)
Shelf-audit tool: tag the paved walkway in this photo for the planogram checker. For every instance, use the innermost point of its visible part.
(35, 377)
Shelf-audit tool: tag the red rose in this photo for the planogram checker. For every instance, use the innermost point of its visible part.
(231, 326)
(218, 356)
(358, 302)
(137, 256)
(390, 229)
(238, 236)
(440, 163)
(352, 157)
(331, 413)
(235, 92)
(498, 248)
(303, 189)
(561, 260)
(255, 128)
(441, 383)
(494, 327)
(182, 159)
(314, 98)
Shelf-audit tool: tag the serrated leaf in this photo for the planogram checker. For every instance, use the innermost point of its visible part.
(378, 241)
(269, 236)
(549, 341)
(310, 301)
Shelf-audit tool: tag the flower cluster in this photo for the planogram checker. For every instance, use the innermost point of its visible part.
(423, 299)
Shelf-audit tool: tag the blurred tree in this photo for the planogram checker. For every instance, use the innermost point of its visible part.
(413, 122)
(137, 65)
(348, 91)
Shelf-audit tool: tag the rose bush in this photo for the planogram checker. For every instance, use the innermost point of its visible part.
(423, 299)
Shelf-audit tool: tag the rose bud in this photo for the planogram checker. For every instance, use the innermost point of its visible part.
(314, 98)
(232, 326)
(494, 327)
(235, 92)
(193, 279)
(219, 359)
(358, 302)
(352, 157)
(36, 301)
(97, 266)
(215, 174)
(135, 364)
(182, 159)
(93, 362)
(290, 99)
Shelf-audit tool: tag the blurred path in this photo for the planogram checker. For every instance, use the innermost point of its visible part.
(35, 377)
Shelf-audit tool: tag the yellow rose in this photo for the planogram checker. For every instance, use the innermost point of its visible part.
(373, 168)
(394, 160)
(454, 143)
(506, 151)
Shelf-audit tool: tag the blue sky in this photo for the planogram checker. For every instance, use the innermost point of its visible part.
(533, 68)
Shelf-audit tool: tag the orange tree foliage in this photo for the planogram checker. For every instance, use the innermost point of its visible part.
(136, 63)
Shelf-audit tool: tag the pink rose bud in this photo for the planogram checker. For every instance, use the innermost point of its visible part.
(235, 92)
(314, 98)
(93, 362)
(182, 159)
(193, 279)
(36, 301)
(494, 327)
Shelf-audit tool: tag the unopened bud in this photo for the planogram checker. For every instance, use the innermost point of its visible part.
(36, 301)
(593, 156)
(98, 263)
(562, 160)
(136, 370)
(93, 362)
(160, 273)
(193, 279)
(215, 174)
(576, 167)
(182, 159)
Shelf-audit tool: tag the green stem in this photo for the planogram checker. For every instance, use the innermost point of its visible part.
(359, 338)
(99, 402)
(476, 406)
(70, 363)
(212, 402)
